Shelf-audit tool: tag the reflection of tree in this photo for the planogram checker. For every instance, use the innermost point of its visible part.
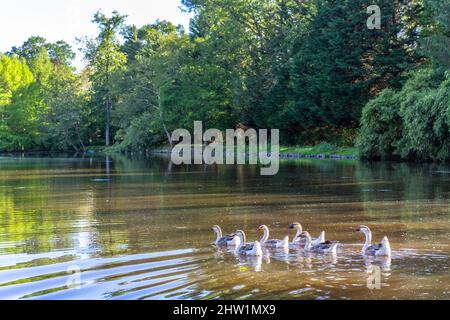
(412, 194)
(42, 209)
(411, 183)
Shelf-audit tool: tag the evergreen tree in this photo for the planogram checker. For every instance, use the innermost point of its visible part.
(437, 41)
(341, 63)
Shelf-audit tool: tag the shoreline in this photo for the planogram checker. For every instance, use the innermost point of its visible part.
(320, 152)
(290, 155)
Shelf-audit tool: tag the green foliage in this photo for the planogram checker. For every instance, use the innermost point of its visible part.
(14, 73)
(341, 64)
(66, 122)
(21, 119)
(426, 123)
(437, 43)
(381, 126)
(412, 124)
(104, 57)
(307, 68)
(59, 52)
(17, 105)
(144, 131)
(40, 108)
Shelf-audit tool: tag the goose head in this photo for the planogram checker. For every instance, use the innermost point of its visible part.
(364, 229)
(305, 235)
(295, 225)
(216, 229)
(263, 228)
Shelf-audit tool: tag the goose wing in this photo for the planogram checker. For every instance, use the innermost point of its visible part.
(373, 249)
(224, 240)
(325, 245)
(247, 247)
(272, 242)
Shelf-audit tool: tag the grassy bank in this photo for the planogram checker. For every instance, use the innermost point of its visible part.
(318, 151)
(325, 150)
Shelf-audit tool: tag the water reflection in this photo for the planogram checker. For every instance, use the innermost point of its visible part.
(140, 229)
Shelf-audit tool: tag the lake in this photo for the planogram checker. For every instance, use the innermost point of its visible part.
(121, 228)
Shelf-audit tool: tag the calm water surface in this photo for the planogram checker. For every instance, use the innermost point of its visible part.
(140, 229)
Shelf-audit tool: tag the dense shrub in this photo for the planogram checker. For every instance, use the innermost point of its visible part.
(413, 124)
(381, 126)
(426, 124)
(143, 132)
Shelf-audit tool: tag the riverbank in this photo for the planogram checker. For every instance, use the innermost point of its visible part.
(322, 151)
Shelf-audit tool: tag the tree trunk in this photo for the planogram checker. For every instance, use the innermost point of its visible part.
(161, 116)
(108, 106)
(108, 111)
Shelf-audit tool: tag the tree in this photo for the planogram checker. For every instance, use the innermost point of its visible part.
(381, 127)
(14, 73)
(436, 43)
(341, 64)
(105, 57)
(412, 124)
(59, 52)
(14, 77)
(22, 119)
(67, 119)
(144, 87)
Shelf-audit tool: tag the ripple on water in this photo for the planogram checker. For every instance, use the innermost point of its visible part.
(203, 274)
(102, 277)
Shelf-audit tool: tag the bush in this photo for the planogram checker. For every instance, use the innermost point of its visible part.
(426, 126)
(381, 127)
(413, 124)
(143, 132)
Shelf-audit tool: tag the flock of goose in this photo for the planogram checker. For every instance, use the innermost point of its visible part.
(302, 240)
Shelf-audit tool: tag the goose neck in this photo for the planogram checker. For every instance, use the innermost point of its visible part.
(265, 236)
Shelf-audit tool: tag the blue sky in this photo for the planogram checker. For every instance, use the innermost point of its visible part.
(67, 19)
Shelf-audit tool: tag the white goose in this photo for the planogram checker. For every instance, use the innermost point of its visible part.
(248, 249)
(231, 240)
(383, 249)
(272, 243)
(301, 241)
(326, 247)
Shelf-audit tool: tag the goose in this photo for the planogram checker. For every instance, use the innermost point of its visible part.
(231, 240)
(380, 250)
(298, 240)
(325, 247)
(272, 243)
(248, 249)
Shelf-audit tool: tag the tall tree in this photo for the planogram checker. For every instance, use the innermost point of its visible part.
(436, 43)
(14, 73)
(341, 63)
(59, 52)
(15, 77)
(156, 55)
(104, 56)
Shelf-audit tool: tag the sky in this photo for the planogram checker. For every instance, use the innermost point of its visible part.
(68, 19)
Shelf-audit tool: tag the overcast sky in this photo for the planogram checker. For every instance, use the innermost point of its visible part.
(67, 19)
